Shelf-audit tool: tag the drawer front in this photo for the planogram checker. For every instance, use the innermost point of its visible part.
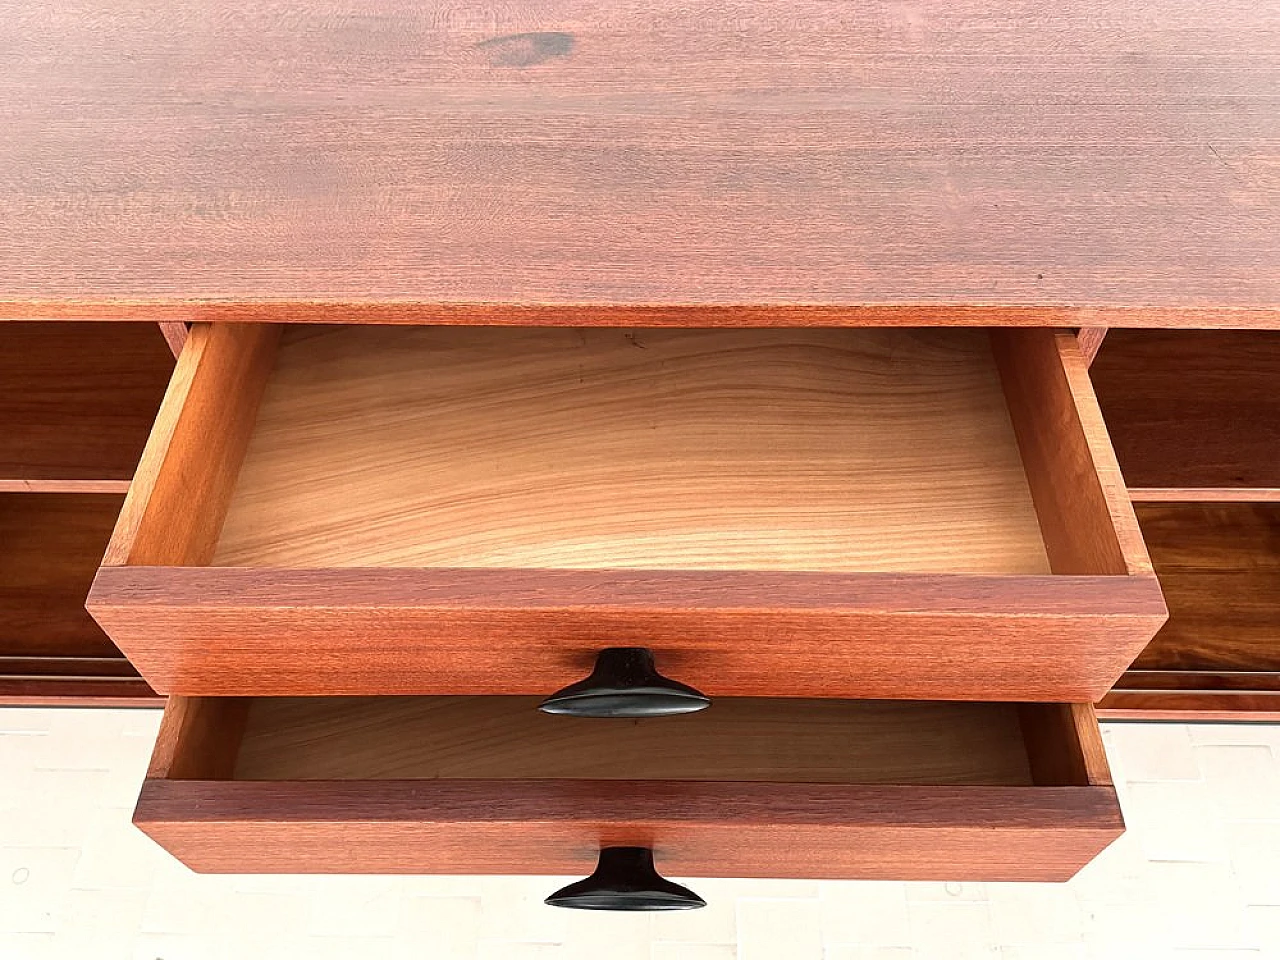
(849, 513)
(238, 632)
(738, 830)
(1004, 792)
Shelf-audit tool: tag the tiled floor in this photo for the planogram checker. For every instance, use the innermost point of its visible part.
(1197, 877)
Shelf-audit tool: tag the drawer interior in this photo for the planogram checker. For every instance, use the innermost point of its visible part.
(736, 740)
(798, 449)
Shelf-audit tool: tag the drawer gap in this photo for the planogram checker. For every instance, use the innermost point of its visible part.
(737, 740)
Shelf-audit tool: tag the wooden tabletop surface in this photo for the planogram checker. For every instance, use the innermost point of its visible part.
(642, 161)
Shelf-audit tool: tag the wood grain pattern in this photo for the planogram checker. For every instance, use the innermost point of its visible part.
(1086, 519)
(844, 450)
(177, 500)
(225, 631)
(1194, 696)
(65, 486)
(175, 335)
(1076, 161)
(507, 314)
(108, 681)
(76, 403)
(77, 692)
(1090, 340)
(50, 546)
(1191, 706)
(1245, 681)
(699, 827)
(83, 668)
(336, 480)
(1194, 409)
(199, 738)
(736, 739)
(1219, 565)
(1204, 494)
(1063, 744)
(817, 831)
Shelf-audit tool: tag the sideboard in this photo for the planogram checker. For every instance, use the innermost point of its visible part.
(657, 437)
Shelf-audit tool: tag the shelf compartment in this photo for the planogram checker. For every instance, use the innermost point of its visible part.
(1193, 414)
(50, 548)
(77, 401)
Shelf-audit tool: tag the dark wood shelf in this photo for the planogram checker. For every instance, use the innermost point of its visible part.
(77, 401)
(52, 544)
(1218, 657)
(1193, 414)
(1219, 567)
(51, 650)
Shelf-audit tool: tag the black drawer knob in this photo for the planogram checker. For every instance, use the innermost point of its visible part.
(625, 683)
(625, 879)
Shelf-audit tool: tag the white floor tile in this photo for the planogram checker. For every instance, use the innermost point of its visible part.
(692, 951)
(1158, 814)
(1029, 915)
(512, 910)
(1244, 781)
(121, 856)
(867, 912)
(519, 950)
(355, 907)
(594, 934)
(33, 883)
(768, 929)
(1264, 923)
(881, 953)
(946, 892)
(28, 946)
(1255, 861)
(714, 924)
(1153, 751)
(960, 926)
(1046, 951)
(174, 946)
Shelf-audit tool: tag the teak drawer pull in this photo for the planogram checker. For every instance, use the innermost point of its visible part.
(625, 683)
(625, 879)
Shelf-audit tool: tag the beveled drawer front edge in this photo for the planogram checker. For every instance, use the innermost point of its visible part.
(524, 589)
(698, 829)
(737, 633)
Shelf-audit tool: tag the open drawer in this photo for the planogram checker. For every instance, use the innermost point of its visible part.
(889, 513)
(751, 787)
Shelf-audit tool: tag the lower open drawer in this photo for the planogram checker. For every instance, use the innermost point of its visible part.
(748, 788)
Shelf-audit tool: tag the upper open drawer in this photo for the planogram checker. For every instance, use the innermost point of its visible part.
(783, 512)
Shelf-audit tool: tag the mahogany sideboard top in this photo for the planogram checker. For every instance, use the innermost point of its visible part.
(1076, 162)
